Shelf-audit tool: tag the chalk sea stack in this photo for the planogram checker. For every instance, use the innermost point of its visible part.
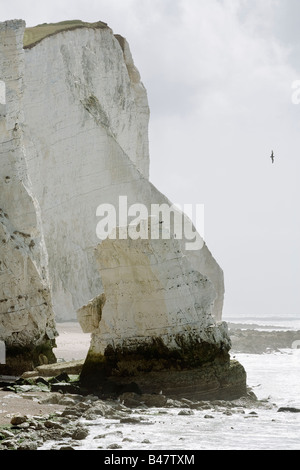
(74, 121)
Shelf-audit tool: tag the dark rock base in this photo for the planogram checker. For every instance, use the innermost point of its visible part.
(217, 380)
(23, 359)
(209, 382)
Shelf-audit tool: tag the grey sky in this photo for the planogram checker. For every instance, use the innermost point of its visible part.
(219, 77)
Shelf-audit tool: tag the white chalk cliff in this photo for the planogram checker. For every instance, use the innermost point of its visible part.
(86, 132)
(26, 317)
(74, 134)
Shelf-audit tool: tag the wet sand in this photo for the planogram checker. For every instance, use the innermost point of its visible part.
(72, 344)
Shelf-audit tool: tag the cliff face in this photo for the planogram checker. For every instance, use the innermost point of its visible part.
(86, 130)
(74, 135)
(26, 315)
(86, 133)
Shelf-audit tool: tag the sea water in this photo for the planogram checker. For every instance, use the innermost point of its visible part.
(273, 377)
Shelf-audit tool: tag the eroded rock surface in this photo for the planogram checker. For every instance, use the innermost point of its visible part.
(152, 291)
(26, 315)
(156, 325)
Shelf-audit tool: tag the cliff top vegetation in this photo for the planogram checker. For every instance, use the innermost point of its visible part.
(34, 35)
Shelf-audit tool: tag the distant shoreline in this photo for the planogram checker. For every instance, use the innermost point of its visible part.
(254, 326)
(256, 318)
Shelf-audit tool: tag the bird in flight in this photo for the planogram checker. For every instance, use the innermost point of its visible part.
(272, 156)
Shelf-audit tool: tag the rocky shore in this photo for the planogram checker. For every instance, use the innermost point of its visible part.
(49, 409)
(69, 424)
(253, 341)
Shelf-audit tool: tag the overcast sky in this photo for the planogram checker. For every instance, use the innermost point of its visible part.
(219, 77)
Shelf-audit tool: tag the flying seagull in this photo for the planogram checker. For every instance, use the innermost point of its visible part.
(272, 156)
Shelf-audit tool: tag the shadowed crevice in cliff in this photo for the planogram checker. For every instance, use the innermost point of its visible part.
(93, 106)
